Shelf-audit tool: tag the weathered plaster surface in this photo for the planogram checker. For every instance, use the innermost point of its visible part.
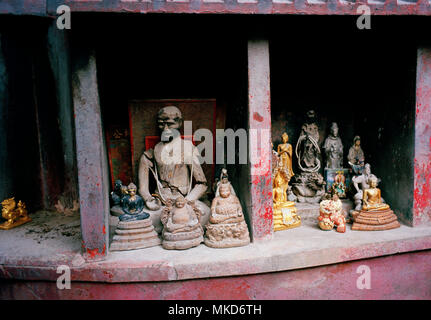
(422, 184)
(35, 250)
(259, 102)
(405, 276)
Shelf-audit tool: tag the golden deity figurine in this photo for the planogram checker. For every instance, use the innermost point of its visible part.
(15, 214)
(285, 152)
(285, 216)
(372, 199)
(375, 215)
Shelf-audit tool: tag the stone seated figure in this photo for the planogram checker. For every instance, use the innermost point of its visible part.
(285, 216)
(375, 215)
(226, 227)
(181, 225)
(132, 205)
(174, 164)
(360, 184)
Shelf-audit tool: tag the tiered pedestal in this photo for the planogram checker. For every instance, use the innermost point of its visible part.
(374, 220)
(131, 235)
(182, 240)
(279, 223)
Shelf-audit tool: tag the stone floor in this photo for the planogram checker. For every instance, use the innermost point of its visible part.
(34, 250)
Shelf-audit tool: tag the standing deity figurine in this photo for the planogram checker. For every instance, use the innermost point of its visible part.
(284, 151)
(226, 227)
(309, 185)
(333, 149)
(356, 156)
(174, 163)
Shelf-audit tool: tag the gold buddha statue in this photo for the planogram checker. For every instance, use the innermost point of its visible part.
(285, 216)
(372, 198)
(375, 215)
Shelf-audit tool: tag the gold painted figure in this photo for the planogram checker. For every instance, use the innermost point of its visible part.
(285, 152)
(285, 216)
(15, 214)
(375, 215)
(372, 199)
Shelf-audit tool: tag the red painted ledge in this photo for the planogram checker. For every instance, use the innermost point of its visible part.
(29, 255)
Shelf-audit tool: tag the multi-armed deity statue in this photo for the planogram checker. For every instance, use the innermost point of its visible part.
(309, 185)
(174, 163)
(374, 214)
(226, 227)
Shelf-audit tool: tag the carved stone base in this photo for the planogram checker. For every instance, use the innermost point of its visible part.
(182, 240)
(227, 235)
(6, 225)
(374, 221)
(131, 235)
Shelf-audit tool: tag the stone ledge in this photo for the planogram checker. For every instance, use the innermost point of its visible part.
(303, 247)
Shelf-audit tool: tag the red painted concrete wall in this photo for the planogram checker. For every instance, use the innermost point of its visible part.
(422, 184)
(403, 276)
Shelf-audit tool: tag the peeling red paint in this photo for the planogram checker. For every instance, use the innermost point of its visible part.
(257, 117)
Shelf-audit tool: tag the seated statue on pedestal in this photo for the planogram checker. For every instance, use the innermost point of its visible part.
(181, 227)
(375, 215)
(174, 163)
(226, 227)
(132, 205)
(285, 216)
(362, 181)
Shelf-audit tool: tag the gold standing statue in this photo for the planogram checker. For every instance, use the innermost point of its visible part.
(285, 216)
(15, 214)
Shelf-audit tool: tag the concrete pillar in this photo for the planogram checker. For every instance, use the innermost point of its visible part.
(6, 181)
(259, 125)
(92, 163)
(59, 58)
(422, 165)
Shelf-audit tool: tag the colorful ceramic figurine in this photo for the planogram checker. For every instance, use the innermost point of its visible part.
(331, 214)
(339, 185)
(181, 224)
(226, 227)
(285, 216)
(375, 215)
(15, 214)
